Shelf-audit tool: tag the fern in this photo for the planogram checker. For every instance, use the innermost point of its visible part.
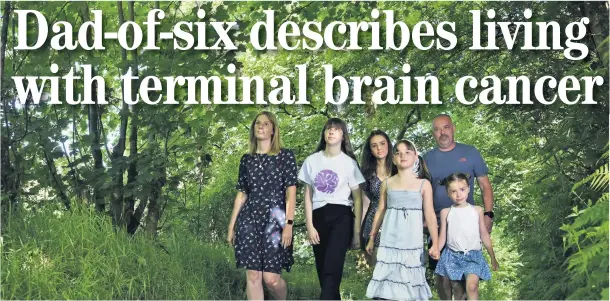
(587, 236)
(599, 179)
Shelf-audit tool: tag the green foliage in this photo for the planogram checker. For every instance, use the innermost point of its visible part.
(538, 155)
(586, 238)
(502, 285)
(78, 255)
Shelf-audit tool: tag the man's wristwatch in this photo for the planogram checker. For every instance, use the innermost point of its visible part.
(490, 214)
(289, 222)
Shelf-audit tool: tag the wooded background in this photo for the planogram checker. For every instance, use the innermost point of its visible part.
(128, 202)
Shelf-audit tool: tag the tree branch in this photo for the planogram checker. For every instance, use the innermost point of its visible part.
(409, 123)
(28, 52)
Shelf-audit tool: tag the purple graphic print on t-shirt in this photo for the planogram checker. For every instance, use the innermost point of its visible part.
(326, 181)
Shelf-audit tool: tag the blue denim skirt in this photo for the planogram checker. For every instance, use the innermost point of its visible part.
(455, 265)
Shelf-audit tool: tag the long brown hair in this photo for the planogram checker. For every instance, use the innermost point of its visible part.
(346, 145)
(276, 143)
(369, 162)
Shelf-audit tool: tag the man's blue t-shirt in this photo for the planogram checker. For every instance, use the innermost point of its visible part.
(462, 158)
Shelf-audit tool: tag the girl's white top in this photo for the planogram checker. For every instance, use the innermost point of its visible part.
(463, 229)
(332, 179)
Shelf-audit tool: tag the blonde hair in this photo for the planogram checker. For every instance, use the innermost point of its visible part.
(276, 143)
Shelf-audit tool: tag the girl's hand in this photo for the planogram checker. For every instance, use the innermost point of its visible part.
(287, 236)
(434, 253)
(494, 264)
(370, 246)
(231, 237)
(314, 238)
(356, 241)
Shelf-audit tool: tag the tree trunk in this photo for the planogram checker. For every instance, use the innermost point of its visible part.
(154, 212)
(9, 180)
(97, 155)
(57, 182)
(118, 162)
(94, 133)
(4, 39)
(156, 189)
(409, 123)
(133, 216)
(80, 188)
(10, 176)
(152, 219)
(594, 11)
(134, 221)
(73, 170)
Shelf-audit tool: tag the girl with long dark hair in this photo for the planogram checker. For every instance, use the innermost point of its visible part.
(333, 204)
(376, 167)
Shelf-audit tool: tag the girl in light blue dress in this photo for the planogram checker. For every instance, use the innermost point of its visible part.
(463, 229)
(405, 198)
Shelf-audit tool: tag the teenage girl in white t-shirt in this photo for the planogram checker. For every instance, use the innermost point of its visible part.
(332, 179)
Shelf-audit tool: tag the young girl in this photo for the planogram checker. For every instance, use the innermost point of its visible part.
(400, 273)
(376, 167)
(332, 179)
(264, 210)
(463, 229)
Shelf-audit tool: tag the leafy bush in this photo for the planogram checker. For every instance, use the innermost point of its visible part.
(587, 239)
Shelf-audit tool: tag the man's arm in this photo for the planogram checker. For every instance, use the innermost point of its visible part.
(488, 198)
(487, 192)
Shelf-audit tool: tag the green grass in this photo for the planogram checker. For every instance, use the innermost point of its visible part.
(78, 255)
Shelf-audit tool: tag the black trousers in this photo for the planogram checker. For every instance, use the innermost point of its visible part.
(335, 225)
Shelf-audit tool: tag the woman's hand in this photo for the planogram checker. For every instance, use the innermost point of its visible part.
(287, 236)
(231, 237)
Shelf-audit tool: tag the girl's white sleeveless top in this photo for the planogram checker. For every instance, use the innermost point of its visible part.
(463, 229)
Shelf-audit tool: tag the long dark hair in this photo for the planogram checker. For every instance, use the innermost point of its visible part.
(422, 171)
(346, 146)
(369, 162)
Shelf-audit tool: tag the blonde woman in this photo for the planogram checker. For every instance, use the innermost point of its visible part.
(261, 223)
